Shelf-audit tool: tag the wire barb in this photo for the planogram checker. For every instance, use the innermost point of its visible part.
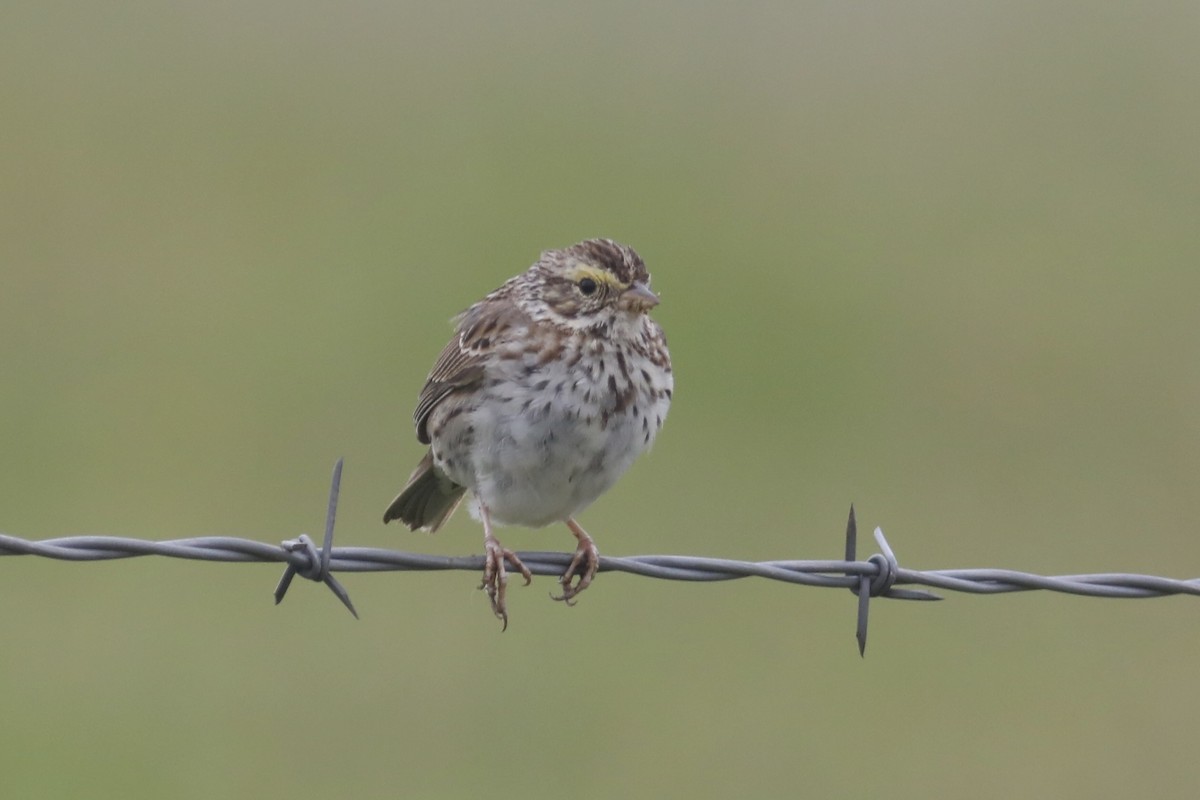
(879, 584)
(316, 563)
(879, 576)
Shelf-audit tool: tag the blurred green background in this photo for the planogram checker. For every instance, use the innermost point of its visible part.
(939, 259)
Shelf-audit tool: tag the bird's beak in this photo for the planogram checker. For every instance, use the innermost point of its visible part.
(638, 297)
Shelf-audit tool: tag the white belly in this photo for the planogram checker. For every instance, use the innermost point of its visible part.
(541, 462)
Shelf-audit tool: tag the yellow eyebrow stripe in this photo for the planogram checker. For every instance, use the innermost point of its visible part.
(581, 271)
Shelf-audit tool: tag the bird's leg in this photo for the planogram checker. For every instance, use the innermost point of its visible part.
(585, 551)
(495, 576)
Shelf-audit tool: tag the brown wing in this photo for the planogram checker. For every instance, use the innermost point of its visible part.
(461, 364)
(455, 369)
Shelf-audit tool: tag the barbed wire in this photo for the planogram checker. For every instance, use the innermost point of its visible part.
(880, 575)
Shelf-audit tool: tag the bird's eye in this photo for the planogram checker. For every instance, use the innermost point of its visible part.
(587, 286)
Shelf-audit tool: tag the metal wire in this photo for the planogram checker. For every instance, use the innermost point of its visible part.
(877, 576)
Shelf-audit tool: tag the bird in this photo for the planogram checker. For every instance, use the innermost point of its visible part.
(549, 389)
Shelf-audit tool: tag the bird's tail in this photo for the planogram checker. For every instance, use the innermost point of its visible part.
(428, 499)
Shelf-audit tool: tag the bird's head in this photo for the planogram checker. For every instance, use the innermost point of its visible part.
(590, 285)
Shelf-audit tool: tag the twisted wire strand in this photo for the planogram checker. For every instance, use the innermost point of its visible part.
(878, 576)
(836, 574)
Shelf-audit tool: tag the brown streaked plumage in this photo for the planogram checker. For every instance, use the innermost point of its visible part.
(549, 389)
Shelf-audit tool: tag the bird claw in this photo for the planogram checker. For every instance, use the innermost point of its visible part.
(586, 551)
(495, 577)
